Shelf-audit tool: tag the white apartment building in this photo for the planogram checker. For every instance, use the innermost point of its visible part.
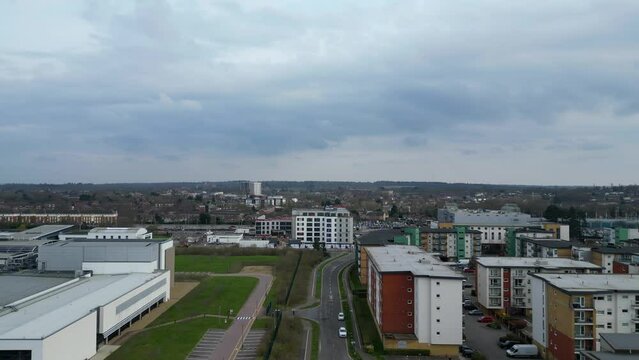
(415, 299)
(273, 226)
(571, 311)
(503, 283)
(331, 226)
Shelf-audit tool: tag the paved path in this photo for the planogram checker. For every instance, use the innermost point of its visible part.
(230, 344)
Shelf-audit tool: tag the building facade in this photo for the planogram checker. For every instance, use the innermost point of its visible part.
(274, 226)
(415, 299)
(503, 283)
(571, 311)
(457, 242)
(332, 227)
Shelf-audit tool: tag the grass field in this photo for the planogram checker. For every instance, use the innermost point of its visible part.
(168, 342)
(214, 295)
(221, 264)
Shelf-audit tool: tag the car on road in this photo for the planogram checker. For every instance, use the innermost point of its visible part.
(486, 319)
(466, 351)
(342, 332)
(476, 312)
(508, 343)
(340, 316)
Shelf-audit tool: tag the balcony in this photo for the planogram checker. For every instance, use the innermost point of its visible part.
(582, 307)
(583, 321)
(635, 304)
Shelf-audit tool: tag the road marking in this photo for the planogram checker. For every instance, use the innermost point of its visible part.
(244, 318)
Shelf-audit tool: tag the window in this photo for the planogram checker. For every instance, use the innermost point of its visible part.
(409, 289)
(609, 325)
(409, 302)
(410, 326)
(438, 308)
(438, 283)
(410, 313)
(438, 333)
(409, 278)
(437, 320)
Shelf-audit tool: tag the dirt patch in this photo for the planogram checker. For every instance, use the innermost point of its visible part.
(258, 270)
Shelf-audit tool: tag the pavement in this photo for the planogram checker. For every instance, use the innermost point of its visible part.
(230, 345)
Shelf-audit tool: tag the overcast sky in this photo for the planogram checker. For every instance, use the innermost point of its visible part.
(526, 92)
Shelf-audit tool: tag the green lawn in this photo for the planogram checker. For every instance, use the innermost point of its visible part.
(168, 342)
(221, 264)
(214, 295)
(263, 323)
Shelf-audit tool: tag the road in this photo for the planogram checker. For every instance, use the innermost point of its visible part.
(332, 347)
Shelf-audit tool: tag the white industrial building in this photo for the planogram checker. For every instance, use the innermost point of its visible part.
(109, 233)
(49, 318)
(235, 239)
(415, 299)
(331, 226)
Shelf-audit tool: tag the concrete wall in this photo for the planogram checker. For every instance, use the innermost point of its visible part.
(538, 311)
(120, 267)
(75, 342)
(34, 345)
(111, 315)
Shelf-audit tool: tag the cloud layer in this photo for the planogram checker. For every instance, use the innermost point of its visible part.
(498, 92)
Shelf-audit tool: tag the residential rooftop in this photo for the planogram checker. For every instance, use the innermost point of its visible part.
(448, 231)
(531, 262)
(616, 250)
(619, 341)
(406, 258)
(549, 243)
(379, 237)
(591, 283)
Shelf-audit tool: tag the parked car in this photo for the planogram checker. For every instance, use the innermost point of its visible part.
(468, 286)
(523, 351)
(470, 307)
(466, 351)
(342, 332)
(486, 319)
(469, 270)
(340, 316)
(507, 344)
(476, 312)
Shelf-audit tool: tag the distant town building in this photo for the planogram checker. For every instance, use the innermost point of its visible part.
(612, 259)
(274, 226)
(89, 219)
(547, 248)
(236, 238)
(571, 311)
(330, 226)
(502, 283)
(119, 233)
(453, 243)
(415, 300)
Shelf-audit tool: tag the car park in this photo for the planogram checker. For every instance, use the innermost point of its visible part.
(523, 351)
(342, 332)
(340, 316)
(507, 344)
(476, 312)
(466, 351)
(486, 319)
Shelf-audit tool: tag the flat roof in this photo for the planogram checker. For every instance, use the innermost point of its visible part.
(379, 237)
(616, 250)
(45, 315)
(601, 355)
(16, 287)
(40, 231)
(551, 243)
(118, 230)
(620, 341)
(107, 242)
(591, 283)
(530, 262)
(406, 258)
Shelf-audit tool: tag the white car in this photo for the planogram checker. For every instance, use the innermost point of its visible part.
(340, 316)
(342, 332)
